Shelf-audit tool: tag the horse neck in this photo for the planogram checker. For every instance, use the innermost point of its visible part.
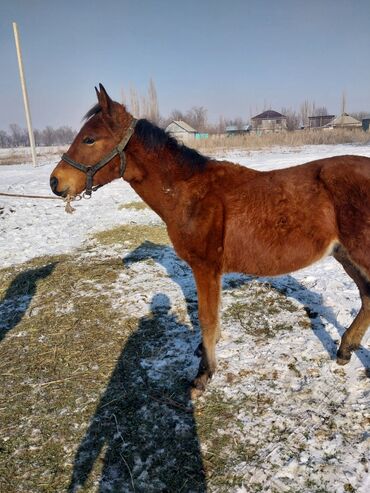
(156, 176)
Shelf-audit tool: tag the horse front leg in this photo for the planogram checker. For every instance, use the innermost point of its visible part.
(208, 283)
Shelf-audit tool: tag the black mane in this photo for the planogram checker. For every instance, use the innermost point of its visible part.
(155, 138)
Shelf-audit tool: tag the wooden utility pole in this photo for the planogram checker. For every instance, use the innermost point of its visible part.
(24, 92)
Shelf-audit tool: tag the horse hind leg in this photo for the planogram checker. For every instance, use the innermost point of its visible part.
(352, 337)
(208, 283)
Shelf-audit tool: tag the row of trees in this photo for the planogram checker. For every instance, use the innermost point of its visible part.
(18, 137)
(146, 106)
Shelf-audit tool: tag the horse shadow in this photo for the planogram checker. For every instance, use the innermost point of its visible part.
(143, 432)
(312, 301)
(318, 313)
(19, 295)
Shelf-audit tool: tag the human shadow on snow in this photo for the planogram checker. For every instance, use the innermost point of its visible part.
(143, 431)
(19, 295)
(312, 301)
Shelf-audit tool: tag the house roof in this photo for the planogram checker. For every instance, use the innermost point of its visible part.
(320, 116)
(268, 115)
(345, 120)
(184, 126)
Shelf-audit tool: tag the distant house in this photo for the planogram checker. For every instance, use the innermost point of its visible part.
(181, 130)
(319, 120)
(344, 121)
(269, 122)
(236, 130)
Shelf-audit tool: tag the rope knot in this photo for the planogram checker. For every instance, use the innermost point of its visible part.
(70, 198)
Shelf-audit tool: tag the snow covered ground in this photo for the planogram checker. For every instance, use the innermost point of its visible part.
(316, 425)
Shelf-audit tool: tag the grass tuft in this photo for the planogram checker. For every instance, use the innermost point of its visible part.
(256, 308)
(137, 206)
(133, 235)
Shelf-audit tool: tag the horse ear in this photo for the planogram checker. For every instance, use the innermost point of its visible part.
(97, 93)
(104, 100)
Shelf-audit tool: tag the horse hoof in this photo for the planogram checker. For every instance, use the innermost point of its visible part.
(342, 362)
(195, 393)
(198, 385)
(343, 358)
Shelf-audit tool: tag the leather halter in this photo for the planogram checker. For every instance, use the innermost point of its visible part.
(91, 170)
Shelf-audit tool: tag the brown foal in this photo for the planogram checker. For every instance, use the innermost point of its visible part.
(222, 217)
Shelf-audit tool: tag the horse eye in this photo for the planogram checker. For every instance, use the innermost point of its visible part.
(88, 140)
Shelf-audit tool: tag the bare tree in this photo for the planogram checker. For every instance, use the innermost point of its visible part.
(5, 139)
(237, 122)
(153, 109)
(344, 102)
(321, 111)
(18, 135)
(221, 127)
(197, 118)
(123, 97)
(144, 107)
(292, 118)
(64, 135)
(360, 115)
(134, 102)
(307, 109)
(175, 115)
(38, 137)
(49, 136)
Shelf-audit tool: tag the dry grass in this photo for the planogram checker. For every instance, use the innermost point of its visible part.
(13, 159)
(288, 139)
(137, 206)
(59, 327)
(23, 155)
(133, 235)
(258, 319)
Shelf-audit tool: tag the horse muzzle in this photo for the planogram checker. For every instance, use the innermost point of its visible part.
(54, 187)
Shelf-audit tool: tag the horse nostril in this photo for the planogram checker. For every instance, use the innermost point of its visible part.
(54, 183)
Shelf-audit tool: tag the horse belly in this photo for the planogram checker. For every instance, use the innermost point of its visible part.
(280, 246)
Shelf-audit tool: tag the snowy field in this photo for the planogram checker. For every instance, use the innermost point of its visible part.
(309, 426)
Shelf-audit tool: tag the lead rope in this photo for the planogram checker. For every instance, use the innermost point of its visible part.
(70, 198)
(68, 208)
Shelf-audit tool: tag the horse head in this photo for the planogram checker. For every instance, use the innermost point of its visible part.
(96, 155)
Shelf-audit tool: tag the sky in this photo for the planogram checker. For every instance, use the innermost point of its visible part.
(234, 57)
